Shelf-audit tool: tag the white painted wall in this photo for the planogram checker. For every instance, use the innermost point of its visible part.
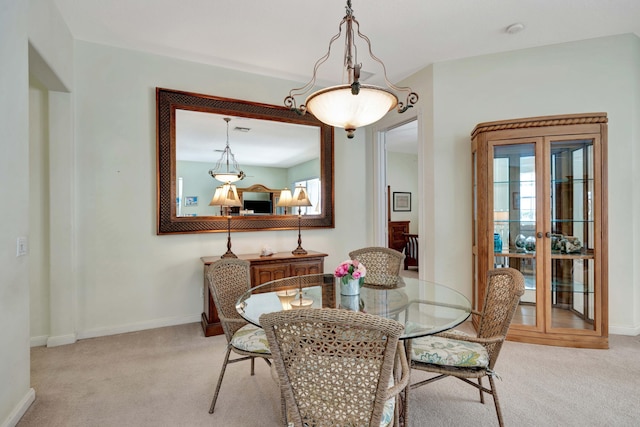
(593, 75)
(402, 176)
(39, 278)
(128, 277)
(15, 392)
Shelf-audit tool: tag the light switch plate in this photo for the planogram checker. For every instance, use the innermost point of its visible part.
(22, 246)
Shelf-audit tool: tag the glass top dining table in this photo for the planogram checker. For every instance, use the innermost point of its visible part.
(423, 307)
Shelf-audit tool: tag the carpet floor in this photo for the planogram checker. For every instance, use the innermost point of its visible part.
(166, 377)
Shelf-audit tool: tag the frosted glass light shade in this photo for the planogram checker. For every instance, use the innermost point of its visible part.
(337, 106)
(226, 176)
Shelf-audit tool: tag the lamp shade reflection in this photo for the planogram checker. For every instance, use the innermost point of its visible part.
(285, 199)
(300, 198)
(286, 297)
(227, 197)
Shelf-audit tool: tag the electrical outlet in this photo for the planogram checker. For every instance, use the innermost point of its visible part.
(22, 246)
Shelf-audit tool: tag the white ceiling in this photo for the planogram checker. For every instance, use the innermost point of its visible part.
(284, 38)
(201, 137)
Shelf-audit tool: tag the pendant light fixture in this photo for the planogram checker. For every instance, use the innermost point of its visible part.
(227, 168)
(353, 104)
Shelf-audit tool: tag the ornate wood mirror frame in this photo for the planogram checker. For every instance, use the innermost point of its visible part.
(168, 101)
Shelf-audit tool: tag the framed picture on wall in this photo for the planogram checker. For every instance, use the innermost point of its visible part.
(401, 201)
(191, 201)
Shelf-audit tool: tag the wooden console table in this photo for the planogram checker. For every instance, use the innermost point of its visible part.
(263, 269)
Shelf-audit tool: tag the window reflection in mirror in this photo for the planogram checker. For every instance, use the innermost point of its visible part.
(315, 196)
(276, 155)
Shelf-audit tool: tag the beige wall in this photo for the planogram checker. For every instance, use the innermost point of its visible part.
(15, 391)
(593, 75)
(402, 176)
(129, 278)
(111, 273)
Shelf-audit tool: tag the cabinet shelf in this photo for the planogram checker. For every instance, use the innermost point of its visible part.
(573, 181)
(512, 253)
(553, 181)
(564, 221)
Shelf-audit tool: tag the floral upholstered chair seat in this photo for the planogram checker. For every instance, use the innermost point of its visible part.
(251, 338)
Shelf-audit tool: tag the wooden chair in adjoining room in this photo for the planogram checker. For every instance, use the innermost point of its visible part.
(383, 265)
(228, 279)
(336, 367)
(467, 357)
(410, 250)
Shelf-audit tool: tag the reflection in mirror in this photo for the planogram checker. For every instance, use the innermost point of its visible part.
(273, 154)
(275, 148)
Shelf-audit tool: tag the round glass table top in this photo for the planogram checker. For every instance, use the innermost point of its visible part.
(423, 307)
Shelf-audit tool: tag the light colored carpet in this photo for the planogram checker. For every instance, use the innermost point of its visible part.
(166, 377)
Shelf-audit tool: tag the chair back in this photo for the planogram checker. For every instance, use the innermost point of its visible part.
(383, 265)
(334, 366)
(410, 249)
(505, 286)
(228, 279)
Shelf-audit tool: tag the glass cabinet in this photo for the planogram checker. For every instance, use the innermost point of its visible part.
(539, 207)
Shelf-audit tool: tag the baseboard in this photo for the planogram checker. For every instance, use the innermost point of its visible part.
(38, 341)
(624, 330)
(61, 340)
(20, 409)
(140, 326)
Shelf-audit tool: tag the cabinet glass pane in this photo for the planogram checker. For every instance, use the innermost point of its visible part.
(514, 219)
(572, 239)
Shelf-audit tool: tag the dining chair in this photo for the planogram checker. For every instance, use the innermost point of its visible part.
(383, 265)
(228, 279)
(464, 356)
(336, 367)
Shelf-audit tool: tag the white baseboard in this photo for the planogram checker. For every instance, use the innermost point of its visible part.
(140, 326)
(53, 341)
(39, 341)
(20, 409)
(624, 330)
(61, 340)
(112, 330)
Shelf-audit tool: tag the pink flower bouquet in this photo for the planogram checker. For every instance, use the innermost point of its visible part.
(350, 270)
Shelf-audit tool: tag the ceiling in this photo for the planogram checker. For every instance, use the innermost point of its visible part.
(201, 137)
(284, 38)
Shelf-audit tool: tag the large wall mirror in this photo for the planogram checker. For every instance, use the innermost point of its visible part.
(276, 148)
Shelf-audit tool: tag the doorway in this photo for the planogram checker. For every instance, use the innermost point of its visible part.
(399, 188)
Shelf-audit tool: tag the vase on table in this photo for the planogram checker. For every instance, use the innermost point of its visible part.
(351, 287)
(351, 302)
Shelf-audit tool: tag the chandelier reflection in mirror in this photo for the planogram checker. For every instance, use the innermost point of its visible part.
(227, 168)
(351, 105)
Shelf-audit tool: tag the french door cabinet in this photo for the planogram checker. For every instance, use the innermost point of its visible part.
(539, 201)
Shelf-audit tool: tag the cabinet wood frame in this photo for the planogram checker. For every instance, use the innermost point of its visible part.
(541, 131)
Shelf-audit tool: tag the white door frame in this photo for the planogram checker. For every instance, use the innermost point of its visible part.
(380, 202)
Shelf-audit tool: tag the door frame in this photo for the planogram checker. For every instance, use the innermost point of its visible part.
(380, 202)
